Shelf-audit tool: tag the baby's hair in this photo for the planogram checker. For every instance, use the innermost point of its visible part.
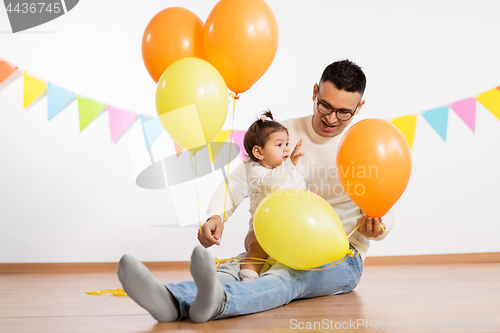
(259, 132)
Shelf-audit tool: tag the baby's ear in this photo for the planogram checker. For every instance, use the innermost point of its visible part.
(257, 152)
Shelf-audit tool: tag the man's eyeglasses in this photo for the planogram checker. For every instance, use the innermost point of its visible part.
(341, 114)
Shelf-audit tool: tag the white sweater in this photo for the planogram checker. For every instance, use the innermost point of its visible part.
(262, 181)
(318, 167)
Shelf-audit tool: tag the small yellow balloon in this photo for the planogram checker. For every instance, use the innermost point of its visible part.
(300, 229)
(192, 102)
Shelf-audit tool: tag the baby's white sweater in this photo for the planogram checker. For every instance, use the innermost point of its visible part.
(262, 181)
(318, 167)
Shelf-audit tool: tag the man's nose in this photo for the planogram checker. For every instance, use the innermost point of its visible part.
(332, 117)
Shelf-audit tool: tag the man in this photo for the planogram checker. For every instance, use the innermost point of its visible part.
(337, 98)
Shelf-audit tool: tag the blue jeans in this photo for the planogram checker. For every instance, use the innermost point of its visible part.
(283, 283)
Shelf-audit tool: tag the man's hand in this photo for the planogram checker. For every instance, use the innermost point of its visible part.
(211, 231)
(296, 154)
(371, 227)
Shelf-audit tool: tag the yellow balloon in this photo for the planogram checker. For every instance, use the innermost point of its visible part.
(300, 229)
(192, 102)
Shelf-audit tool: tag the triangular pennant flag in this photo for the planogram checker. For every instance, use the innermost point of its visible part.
(178, 149)
(88, 109)
(238, 140)
(32, 88)
(466, 110)
(6, 70)
(152, 129)
(119, 121)
(491, 101)
(438, 119)
(406, 125)
(220, 138)
(57, 99)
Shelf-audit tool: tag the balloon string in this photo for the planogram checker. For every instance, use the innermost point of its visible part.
(195, 172)
(350, 234)
(235, 97)
(238, 261)
(359, 225)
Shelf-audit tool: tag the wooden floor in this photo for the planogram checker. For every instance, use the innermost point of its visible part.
(414, 298)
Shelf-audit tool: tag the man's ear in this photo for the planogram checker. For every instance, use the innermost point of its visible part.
(257, 152)
(359, 106)
(315, 91)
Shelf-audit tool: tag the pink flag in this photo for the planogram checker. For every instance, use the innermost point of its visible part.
(466, 110)
(119, 120)
(238, 140)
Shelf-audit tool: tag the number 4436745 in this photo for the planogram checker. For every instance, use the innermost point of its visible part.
(471, 323)
(34, 8)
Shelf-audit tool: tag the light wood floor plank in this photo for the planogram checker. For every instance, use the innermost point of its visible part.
(411, 295)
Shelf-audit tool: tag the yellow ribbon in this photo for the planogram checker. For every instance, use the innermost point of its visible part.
(359, 225)
(238, 261)
(115, 292)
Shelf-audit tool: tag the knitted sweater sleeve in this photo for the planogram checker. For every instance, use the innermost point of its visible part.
(237, 191)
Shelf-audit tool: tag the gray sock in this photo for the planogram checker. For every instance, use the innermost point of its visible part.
(210, 297)
(145, 290)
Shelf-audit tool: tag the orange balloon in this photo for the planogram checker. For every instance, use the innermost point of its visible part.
(241, 39)
(172, 34)
(374, 165)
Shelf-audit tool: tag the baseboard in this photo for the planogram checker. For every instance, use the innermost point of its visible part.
(84, 267)
(435, 259)
(73, 268)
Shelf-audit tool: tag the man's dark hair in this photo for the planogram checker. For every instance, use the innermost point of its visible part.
(258, 133)
(345, 75)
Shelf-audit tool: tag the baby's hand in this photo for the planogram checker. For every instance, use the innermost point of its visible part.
(296, 154)
(315, 193)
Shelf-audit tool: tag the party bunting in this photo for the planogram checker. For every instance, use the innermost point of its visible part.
(88, 109)
(238, 140)
(491, 101)
(119, 121)
(215, 149)
(182, 121)
(438, 119)
(57, 99)
(151, 128)
(6, 70)
(33, 88)
(406, 125)
(466, 110)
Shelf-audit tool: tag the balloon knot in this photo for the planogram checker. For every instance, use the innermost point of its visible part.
(234, 95)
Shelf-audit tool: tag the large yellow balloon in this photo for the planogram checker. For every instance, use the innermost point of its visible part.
(299, 229)
(192, 102)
